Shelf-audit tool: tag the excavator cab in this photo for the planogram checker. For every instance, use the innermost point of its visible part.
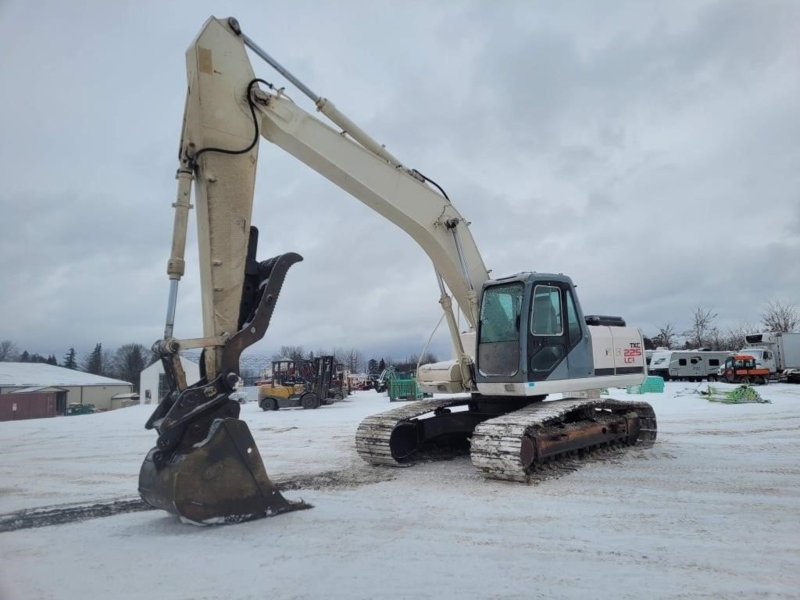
(532, 333)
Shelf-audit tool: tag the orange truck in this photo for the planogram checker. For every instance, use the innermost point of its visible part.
(741, 368)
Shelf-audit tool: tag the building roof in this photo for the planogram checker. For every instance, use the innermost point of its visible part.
(130, 396)
(41, 374)
(39, 388)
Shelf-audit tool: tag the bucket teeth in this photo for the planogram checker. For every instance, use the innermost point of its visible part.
(220, 479)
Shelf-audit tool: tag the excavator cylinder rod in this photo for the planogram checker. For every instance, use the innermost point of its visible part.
(279, 68)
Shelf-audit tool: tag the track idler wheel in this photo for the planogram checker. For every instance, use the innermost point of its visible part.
(220, 479)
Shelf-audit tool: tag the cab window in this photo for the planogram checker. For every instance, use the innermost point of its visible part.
(573, 324)
(546, 311)
(500, 313)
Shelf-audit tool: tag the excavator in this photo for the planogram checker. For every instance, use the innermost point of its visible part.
(527, 337)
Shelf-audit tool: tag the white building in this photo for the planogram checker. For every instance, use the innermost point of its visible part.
(152, 386)
(76, 387)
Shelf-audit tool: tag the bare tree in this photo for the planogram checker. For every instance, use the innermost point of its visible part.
(736, 335)
(428, 358)
(108, 367)
(702, 325)
(715, 339)
(353, 360)
(409, 363)
(779, 316)
(666, 335)
(296, 353)
(128, 363)
(8, 351)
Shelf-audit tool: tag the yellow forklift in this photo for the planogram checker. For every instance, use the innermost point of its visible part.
(306, 383)
(288, 388)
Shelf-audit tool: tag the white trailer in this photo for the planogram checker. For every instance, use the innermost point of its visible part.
(691, 365)
(778, 352)
(648, 356)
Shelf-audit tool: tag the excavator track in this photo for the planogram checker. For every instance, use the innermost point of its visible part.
(529, 444)
(374, 434)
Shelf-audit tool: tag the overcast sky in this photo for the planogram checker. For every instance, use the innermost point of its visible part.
(651, 151)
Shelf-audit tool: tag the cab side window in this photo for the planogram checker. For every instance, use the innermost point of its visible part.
(573, 324)
(546, 311)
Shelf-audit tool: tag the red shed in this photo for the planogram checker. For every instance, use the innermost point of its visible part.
(30, 403)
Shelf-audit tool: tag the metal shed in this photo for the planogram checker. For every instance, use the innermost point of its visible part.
(32, 403)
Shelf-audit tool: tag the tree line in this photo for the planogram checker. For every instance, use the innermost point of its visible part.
(353, 359)
(776, 316)
(124, 363)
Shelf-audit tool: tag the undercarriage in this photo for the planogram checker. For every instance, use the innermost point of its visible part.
(508, 438)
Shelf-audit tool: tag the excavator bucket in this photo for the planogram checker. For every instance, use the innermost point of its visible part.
(220, 479)
(206, 467)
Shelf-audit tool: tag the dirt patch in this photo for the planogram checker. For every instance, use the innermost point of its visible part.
(62, 514)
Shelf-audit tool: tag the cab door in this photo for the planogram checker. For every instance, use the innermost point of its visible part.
(547, 334)
(729, 374)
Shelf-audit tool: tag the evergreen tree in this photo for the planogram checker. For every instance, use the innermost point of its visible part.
(25, 357)
(372, 366)
(382, 365)
(69, 360)
(93, 363)
(51, 360)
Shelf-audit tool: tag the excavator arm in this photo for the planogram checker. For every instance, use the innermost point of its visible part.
(227, 110)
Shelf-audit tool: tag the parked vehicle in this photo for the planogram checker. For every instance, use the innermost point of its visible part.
(382, 382)
(690, 365)
(288, 387)
(742, 368)
(777, 352)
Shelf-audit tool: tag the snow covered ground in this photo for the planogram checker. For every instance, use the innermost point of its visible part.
(712, 511)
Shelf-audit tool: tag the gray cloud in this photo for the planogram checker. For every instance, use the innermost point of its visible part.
(647, 150)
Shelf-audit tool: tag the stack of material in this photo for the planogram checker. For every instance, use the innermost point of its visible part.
(652, 385)
(741, 395)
